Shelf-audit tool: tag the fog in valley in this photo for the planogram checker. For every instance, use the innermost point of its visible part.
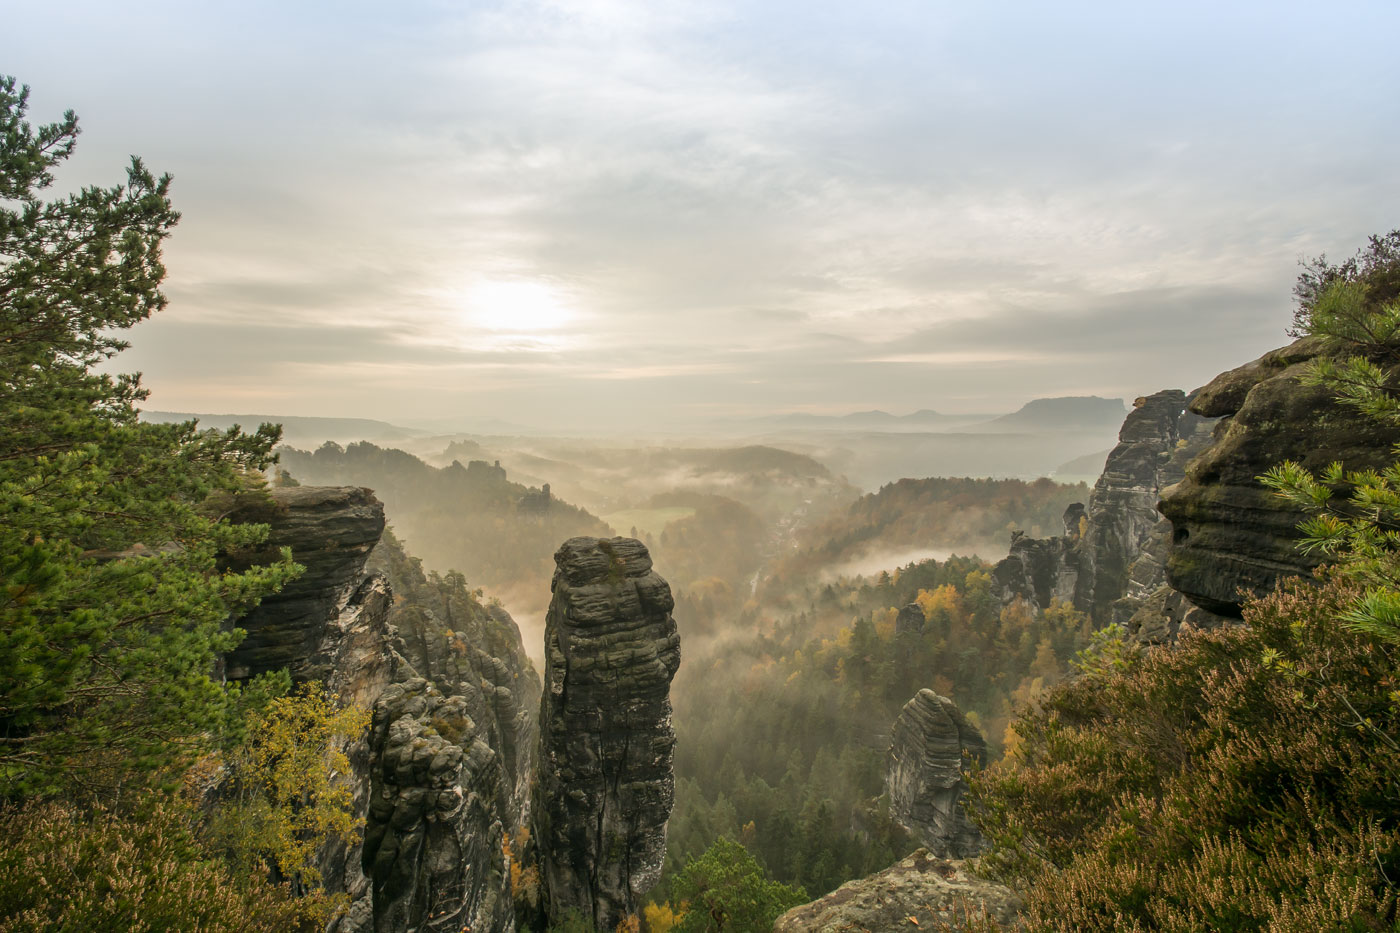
(931, 353)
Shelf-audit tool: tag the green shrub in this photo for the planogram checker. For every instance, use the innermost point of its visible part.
(61, 870)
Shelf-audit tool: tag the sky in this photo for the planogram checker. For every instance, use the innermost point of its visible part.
(609, 215)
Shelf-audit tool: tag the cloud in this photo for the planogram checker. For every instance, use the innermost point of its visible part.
(748, 207)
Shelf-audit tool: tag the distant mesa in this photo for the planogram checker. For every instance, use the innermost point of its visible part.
(1070, 413)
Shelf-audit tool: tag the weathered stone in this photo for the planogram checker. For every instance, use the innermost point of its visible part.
(605, 784)
(931, 746)
(1160, 617)
(445, 769)
(920, 892)
(1123, 505)
(331, 531)
(910, 619)
(1040, 570)
(1230, 535)
(462, 698)
(1112, 555)
(432, 845)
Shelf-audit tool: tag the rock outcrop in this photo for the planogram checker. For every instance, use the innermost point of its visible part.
(605, 784)
(331, 531)
(1123, 521)
(1230, 535)
(438, 812)
(931, 746)
(920, 892)
(444, 771)
(1112, 555)
(909, 620)
(1042, 570)
(448, 760)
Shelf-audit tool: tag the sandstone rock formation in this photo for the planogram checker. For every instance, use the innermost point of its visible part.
(910, 619)
(444, 771)
(932, 743)
(1041, 570)
(331, 531)
(1231, 535)
(1112, 555)
(449, 758)
(605, 784)
(920, 892)
(437, 815)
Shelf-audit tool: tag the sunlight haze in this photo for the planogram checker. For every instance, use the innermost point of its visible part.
(650, 216)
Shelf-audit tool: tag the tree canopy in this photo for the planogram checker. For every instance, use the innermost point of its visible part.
(113, 606)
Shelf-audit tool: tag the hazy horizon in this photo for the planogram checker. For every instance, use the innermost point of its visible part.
(611, 216)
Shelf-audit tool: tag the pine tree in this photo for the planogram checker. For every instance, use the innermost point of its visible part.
(112, 604)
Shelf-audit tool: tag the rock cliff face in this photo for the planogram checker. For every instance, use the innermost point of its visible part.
(1112, 555)
(1230, 534)
(605, 784)
(444, 770)
(449, 758)
(331, 531)
(931, 745)
(920, 892)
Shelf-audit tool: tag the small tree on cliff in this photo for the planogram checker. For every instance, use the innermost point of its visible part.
(112, 607)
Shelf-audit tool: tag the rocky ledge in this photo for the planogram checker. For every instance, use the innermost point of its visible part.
(920, 892)
(1230, 535)
(331, 531)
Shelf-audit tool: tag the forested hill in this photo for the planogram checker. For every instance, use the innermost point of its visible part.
(939, 514)
(472, 518)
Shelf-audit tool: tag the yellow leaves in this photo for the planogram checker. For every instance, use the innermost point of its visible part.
(290, 776)
(662, 918)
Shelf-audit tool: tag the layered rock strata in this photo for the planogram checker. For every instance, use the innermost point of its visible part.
(605, 783)
(443, 773)
(919, 892)
(330, 531)
(932, 745)
(1230, 535)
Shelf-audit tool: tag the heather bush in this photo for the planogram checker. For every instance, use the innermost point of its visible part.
(62, 870)
(1246, 779)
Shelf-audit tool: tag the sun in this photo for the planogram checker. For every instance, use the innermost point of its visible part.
(517, 307)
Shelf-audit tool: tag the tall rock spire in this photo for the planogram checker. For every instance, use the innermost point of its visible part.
(605, 782)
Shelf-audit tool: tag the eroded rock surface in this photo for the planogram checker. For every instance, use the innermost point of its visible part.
(1112, 555)
(1231, 536)
(437, 817)
(920, 892)
(448, 760)
(444, 771)
(909, 620)
(605, 784)
(931, 746)
(331, 531)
